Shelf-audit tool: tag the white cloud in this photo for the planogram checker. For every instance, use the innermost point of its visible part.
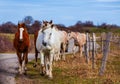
(107, 0)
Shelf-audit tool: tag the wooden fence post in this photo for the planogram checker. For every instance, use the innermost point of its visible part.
(87, 48)
(93, 50)
(89, 44)
(102, 40)
(101, 44)
(119, 42)
(105, 53)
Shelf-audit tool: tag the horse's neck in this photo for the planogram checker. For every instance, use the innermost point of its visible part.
(74, 35)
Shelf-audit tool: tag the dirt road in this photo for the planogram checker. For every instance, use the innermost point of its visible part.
(8, 67)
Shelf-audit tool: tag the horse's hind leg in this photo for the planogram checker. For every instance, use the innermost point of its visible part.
(20, 61)
(36, 56)
(63, 53)
(42, 63)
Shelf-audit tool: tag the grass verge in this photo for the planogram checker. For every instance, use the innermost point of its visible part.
(74, 71)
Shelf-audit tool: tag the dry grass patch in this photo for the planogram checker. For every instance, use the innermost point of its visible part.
(75, 71)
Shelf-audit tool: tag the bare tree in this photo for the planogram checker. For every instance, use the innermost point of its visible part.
(28, 20)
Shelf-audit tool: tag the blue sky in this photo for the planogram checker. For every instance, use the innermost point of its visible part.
(66, 12)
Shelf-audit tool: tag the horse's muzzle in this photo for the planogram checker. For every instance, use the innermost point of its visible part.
(21, 40)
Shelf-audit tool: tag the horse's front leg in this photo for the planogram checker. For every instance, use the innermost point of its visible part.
(24, 62)
(63, 53)
(47, 65)
(20, 62)
(42, 65)
(74, 48)
(80, 47)
(50, 65)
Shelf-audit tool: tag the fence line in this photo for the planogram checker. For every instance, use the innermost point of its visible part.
(108, 42)
(105, 40)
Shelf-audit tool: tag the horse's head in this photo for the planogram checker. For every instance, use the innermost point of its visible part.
(21, 30)
(48, 31)
(47, 25)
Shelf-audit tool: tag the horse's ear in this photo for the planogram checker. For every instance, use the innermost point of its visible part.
(51, 22)
(18, 24)
(23, 24)
(45, 22)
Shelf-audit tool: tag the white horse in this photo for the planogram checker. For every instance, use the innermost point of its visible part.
(64, 41)
(48, 45)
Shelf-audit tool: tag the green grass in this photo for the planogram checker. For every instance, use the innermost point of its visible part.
(76, 71)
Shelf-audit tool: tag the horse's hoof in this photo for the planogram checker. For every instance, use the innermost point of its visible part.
(50, 78)
(26, 69)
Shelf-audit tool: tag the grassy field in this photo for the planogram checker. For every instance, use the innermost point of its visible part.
(72, 71)
(75, 71)
(6, 43)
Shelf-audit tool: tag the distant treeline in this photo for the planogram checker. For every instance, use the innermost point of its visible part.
(34, 25)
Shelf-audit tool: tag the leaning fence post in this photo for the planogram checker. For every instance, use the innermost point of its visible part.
(93, 50)
(105, 53)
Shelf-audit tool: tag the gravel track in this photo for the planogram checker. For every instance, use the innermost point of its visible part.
(8, 67)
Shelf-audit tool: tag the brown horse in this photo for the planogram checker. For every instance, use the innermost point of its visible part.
(21, 44)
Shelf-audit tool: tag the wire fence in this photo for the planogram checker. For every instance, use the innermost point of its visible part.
(108, 44)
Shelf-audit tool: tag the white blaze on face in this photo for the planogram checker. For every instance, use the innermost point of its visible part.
(21, 33)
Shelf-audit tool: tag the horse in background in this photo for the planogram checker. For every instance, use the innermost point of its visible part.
(79, 40)
(21, 44)
(64, 44)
